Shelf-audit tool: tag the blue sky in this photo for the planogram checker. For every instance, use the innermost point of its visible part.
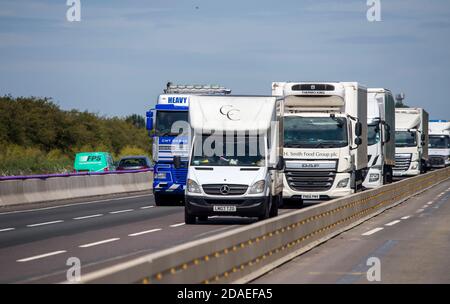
(120, 56)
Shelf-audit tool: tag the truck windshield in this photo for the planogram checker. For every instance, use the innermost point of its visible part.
(405, 139)
(210, 150)
(315, 132)
(439, 142)
(373, 134)
(165, 121)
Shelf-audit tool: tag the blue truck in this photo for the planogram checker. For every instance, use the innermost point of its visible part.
(168, 125)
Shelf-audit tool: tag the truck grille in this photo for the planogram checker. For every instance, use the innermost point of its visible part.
(436, 161)
(179, 175)
(310, 180)
(216, 189)
(402, 162)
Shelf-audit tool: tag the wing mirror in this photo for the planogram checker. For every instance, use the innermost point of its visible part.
(149, 122)
(358, 129)
(281, 163)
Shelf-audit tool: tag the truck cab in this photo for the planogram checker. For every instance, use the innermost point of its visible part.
(411, 142)
(439, 145)
(380, 137)
(235, 160)
(325, 139)
(168, 126)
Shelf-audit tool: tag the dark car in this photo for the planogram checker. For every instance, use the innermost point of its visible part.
(134, 163)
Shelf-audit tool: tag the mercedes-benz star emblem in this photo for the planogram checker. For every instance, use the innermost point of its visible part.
(224, 190)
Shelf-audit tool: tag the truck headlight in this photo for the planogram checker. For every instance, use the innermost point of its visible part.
(257, 187)
(343, 183)
(161, 175)
(373, 177)
(414, 166)
(193, 187)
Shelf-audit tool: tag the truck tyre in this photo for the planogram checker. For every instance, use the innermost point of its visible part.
(159, 199)
(276, 202)
(266, 212)
(389, 178)
(189, 219)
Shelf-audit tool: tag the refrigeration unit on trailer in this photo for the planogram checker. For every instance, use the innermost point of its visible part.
(380, 137)
(168, 120)
(235, 162)
(411, 141)
(325, 139)
(439, 146)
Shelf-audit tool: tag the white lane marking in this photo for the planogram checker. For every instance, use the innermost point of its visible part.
(41, 256)
(373, 231)
(145, 232)
(420, 210)
(121, 211)
(177, 225)
(429, 203)
(75, 204)
(425, 206)
(6, 229)
(216, 230)
(87, 216)
(46, 223)
(99, 243)
(146, 207)
(406, 217)
(393, 223)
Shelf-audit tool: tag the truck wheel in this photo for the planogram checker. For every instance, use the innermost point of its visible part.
(189, 218)
(276, 202)
(159, 199)
(266, 213)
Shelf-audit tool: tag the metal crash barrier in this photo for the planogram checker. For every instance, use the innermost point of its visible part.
(243, 254)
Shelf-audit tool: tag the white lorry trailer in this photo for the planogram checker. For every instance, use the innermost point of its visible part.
(235, 162)
(439, 147)
(381, 137)
(411, 141)
(325, 139)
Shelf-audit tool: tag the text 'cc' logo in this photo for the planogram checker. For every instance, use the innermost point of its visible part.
(230, 112)
(224, 190)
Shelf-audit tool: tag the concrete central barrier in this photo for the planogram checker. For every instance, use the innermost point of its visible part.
(243, 254)
(34, 190)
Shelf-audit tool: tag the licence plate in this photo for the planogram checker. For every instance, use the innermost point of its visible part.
(224, 208)
(310, 196)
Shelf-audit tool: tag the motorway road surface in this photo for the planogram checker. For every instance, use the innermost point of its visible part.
(36, 244)
(411, 241)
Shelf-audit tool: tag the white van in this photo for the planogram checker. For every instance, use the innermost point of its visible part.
(235, 162)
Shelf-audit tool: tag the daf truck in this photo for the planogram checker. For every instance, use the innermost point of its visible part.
(166, 124)
(325, 139)
(235, 162)
(439, 146)
(380, 137)
(411, 142)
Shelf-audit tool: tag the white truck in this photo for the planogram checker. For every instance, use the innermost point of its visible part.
(439, 146)
(411, 141)
(235, 161)
(325, 139)
(381, 137)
